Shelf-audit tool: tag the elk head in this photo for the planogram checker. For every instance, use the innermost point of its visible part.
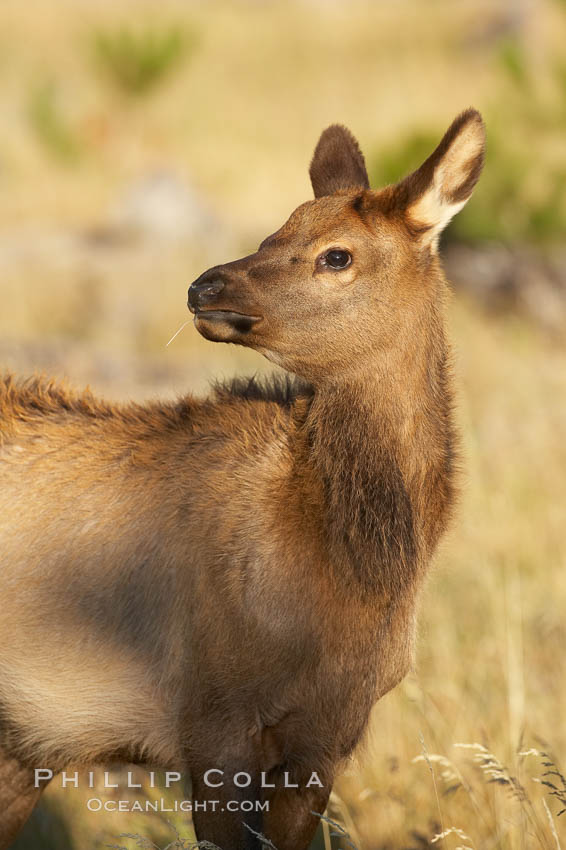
(349, 274)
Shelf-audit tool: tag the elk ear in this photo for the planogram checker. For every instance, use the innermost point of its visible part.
(443, 184)
(337, 163)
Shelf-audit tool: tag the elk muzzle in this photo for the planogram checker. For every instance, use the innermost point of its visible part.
(216, 302)
(202, 292)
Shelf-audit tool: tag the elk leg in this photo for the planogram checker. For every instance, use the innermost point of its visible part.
(289, 823)
(220, 814)
(18, 797)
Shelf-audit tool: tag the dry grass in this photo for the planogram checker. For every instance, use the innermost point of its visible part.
(239, 122)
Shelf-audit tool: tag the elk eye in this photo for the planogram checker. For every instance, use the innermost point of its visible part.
(337, 259)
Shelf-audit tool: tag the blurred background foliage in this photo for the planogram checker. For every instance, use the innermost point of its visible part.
(105, 104)
(522, 196)
(144, 141)
(136, 61)
(114, 89)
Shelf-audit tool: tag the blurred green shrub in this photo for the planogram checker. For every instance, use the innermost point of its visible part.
(513, 60)
(136, 61)
(50, 127)
(521, 196)
(503, 207)
(392, 163)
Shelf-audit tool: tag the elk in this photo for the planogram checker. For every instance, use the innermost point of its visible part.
(231, 583)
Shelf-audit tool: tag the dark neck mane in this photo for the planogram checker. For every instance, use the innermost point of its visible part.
(383, 456)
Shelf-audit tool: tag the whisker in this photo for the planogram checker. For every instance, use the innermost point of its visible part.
(184, 325)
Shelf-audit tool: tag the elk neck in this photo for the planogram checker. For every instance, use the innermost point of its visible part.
(379, 442)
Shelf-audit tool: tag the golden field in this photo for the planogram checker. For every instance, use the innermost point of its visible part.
(92, 289)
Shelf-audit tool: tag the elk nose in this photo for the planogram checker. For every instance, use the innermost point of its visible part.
(203, 291)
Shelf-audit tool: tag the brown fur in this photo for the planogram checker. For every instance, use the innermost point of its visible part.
(337, 163)
(231, 583)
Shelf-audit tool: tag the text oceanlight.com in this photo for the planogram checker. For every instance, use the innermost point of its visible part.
(95, 804)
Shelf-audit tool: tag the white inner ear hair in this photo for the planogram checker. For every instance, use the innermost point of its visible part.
(434, 208)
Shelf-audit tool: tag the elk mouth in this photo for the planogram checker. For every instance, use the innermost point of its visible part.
(212, 324)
